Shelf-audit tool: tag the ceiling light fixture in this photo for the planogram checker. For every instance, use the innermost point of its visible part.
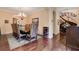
(21, 14)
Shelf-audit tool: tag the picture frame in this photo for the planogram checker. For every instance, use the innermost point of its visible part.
(6, 21)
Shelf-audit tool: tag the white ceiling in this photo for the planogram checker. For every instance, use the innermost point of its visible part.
(67, 8)
(27, 10)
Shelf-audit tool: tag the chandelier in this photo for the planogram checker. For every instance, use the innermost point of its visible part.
(21, 14)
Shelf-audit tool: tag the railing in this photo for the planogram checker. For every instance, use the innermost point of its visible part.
(71, 23)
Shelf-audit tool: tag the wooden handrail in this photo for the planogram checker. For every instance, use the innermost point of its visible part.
(71, 23)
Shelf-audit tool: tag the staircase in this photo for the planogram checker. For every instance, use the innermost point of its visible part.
(66, 24)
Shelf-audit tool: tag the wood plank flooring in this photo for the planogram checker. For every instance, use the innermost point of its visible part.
(4, 46)
(40, 45)
(33, 46)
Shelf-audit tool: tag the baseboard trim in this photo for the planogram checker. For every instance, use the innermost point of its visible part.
(40, 34)
(10, 34)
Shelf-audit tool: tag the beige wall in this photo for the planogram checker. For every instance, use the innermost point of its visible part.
(75, 11)
(42, 15)
(50, 24)
(43, 19)
(56, 25)
(77, 19)
(56, 22)
(6, 15)
(5, 28)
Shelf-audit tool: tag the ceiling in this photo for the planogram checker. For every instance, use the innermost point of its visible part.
(27, 10)
(67, 8)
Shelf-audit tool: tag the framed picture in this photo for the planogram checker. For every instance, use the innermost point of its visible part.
(6, 21)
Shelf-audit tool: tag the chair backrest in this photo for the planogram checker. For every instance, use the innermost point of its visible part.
(15, 30)
(27, 27)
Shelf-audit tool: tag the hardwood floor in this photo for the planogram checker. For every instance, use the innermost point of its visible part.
(33, 46)
(4, 46)
(37, 45)
(42, 44)
(60, 43)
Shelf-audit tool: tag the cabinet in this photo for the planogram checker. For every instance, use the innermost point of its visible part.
(45, 32)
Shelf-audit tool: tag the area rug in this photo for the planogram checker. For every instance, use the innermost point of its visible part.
(13, 43)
